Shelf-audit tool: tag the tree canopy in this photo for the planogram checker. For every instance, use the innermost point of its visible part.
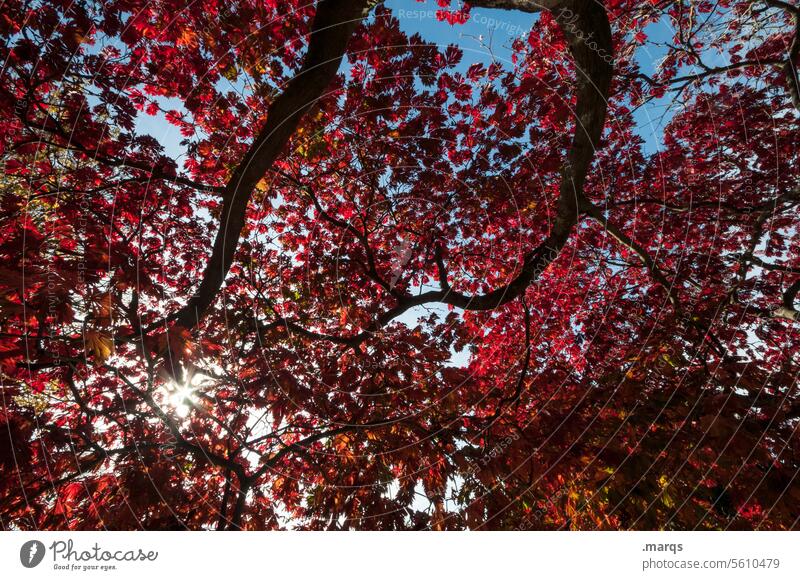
(382, 283)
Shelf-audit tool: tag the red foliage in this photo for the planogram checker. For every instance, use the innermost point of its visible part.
(625, 319)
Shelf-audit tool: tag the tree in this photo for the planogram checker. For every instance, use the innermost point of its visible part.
(260, 333)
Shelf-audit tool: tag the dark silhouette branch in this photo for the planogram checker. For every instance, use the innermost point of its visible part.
(333, 24)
